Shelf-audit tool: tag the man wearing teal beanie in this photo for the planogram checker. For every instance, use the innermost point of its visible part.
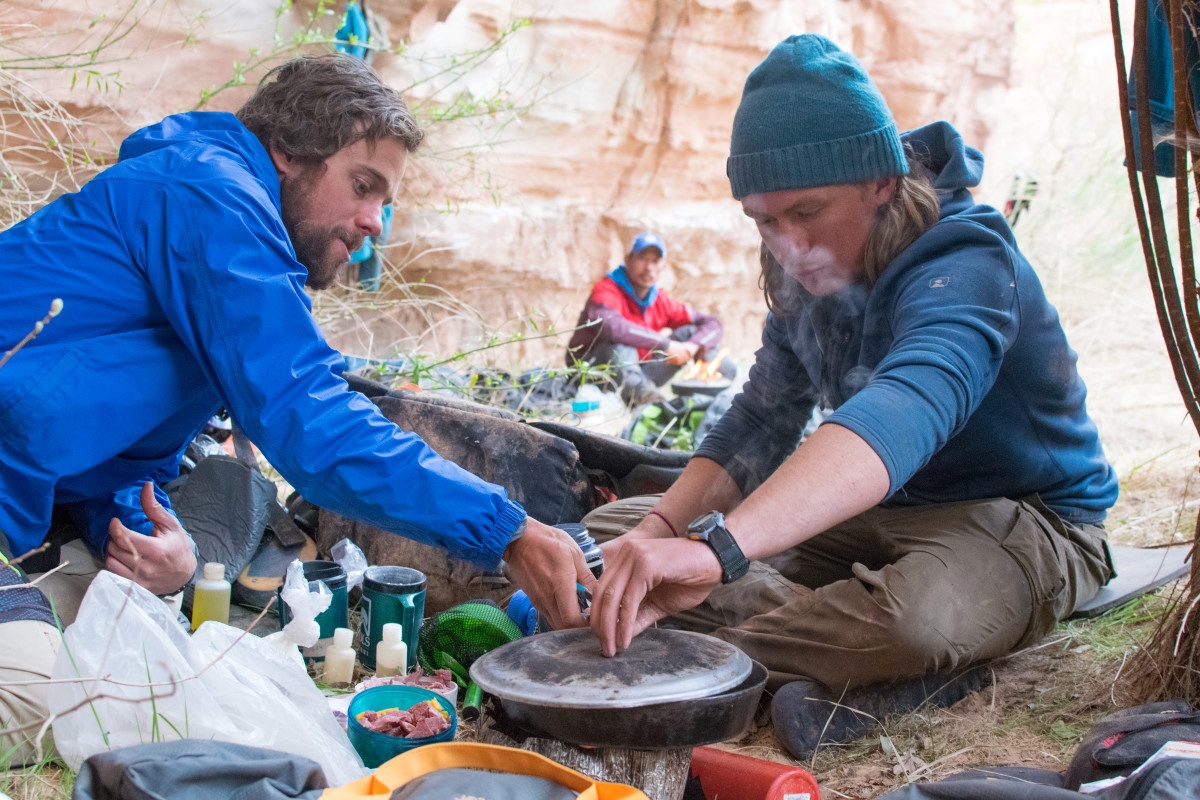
(950, 509)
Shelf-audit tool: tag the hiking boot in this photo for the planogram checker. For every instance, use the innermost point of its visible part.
(806, 715)
(256, 585)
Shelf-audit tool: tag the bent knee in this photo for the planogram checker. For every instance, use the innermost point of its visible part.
(26, 663)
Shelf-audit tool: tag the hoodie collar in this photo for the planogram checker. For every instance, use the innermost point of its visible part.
(217, 128)
(621, 278)
(954, 167)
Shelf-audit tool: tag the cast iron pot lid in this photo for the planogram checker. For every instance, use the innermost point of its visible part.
(565, 669)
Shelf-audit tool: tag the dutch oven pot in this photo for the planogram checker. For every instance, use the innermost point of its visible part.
(671, 689)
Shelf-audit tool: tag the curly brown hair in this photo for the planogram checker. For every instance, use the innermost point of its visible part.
(313, 106)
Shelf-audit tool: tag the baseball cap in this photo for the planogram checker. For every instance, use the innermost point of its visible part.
(648, 239)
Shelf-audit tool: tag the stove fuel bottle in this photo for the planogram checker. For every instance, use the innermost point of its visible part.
(522, 612)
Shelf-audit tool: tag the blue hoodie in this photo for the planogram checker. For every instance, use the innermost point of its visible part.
(953, 367)
(182, 294)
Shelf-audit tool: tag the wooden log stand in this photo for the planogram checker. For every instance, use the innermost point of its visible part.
(660, 774)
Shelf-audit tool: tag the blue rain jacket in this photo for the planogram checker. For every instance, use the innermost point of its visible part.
(182, 294)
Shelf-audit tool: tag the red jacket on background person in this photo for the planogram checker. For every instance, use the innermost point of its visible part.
(627, 309)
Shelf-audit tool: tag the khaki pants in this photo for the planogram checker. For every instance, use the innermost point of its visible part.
(27, 655)
(896, 593)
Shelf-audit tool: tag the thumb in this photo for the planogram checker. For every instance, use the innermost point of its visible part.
(153, 509)
(583, 575)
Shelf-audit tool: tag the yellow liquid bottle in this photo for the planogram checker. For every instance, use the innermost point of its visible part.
(211, 598)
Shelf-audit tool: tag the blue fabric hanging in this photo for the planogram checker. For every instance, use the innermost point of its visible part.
(354, 35)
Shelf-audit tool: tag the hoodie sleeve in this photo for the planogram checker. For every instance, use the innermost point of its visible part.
(93, 516)
(709, 333)
(222, 267)
(954, 315)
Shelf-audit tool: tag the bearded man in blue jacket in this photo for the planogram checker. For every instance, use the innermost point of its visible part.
(182, 269)
(950, 509)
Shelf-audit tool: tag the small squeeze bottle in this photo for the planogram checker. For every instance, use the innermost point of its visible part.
(211, 598)
(339, 658)
(391, 654)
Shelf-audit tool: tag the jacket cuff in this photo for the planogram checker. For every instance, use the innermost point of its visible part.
(512, 518)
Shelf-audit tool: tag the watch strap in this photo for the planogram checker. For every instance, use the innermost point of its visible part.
(710, 529)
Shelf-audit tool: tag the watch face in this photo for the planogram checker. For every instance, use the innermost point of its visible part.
(704, 523)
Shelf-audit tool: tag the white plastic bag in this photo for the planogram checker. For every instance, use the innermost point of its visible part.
(304, 605)
(352, 559)
(147, 680)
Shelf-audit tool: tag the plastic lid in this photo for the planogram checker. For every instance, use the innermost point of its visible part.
(393, 632)
(393, 580)
(214, 571)
(343, 637)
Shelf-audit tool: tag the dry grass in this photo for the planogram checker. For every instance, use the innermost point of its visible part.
(49, 781)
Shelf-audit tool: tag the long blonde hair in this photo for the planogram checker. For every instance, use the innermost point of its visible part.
(912, 210)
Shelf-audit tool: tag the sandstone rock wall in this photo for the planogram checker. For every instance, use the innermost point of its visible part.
(630, 131)
(629, 108)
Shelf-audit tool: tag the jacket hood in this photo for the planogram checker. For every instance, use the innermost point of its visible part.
(215, 128)
(953, 166)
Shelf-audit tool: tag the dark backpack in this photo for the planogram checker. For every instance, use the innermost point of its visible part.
(1116, 745)
(1122, 741)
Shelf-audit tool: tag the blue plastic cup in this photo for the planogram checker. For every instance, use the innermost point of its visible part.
(375, 748)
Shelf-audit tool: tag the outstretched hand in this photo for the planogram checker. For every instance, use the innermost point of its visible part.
(681, 352)
(645, 580)
(547, 564)
(163, 562)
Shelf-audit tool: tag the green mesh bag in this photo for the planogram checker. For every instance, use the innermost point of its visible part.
(454, 638)
(669, 424)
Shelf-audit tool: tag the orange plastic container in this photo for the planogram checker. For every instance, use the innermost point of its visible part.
(731, 776)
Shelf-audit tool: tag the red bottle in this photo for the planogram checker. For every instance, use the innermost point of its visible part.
(724, 774)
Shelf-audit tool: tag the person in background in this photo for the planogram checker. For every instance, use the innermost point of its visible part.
(950, 508)
(182, 269)
(633, 325)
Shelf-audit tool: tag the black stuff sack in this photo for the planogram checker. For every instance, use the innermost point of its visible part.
(1124, 740)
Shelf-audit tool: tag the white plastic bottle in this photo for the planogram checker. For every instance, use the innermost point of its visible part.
(391, 654)
(587, 399)
(339, 658)
(211, 598)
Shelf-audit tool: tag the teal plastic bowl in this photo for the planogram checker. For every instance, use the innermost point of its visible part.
(375, 748)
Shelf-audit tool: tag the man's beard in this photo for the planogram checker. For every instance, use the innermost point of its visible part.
(297, 197)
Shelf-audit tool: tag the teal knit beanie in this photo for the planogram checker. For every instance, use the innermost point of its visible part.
(810, 116)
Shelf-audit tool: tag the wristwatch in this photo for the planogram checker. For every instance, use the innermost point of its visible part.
(710, 529)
